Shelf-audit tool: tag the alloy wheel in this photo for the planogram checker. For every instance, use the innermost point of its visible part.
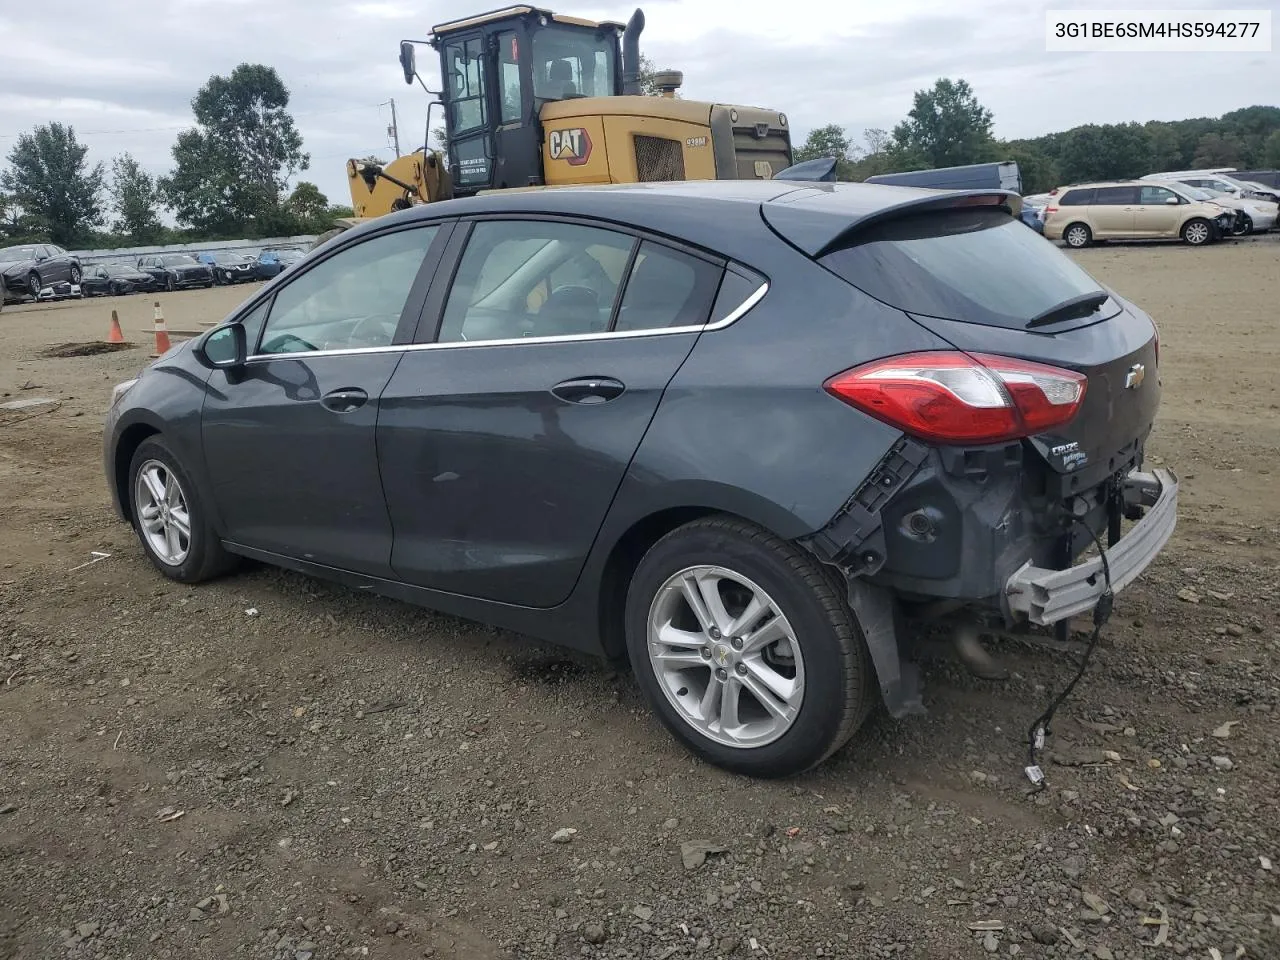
(1197, 233)
(725, 656)
(162, 512)
(1077, 236)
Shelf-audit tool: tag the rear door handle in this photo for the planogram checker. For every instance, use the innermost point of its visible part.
(344, 400)
(589, 390)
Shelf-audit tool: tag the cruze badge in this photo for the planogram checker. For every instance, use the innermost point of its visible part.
(1137, 373)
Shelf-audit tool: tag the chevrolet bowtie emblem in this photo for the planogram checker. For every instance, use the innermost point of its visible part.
(1133, 379)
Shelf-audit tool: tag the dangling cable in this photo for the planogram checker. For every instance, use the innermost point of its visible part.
(1101, 614)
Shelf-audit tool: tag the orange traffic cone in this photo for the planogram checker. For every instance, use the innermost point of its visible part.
(162, 333)
(116, 335)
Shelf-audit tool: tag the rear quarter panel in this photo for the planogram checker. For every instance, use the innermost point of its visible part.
(746, 426)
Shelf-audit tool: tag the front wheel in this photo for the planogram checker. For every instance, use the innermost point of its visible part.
(75, 274)
(169, 518)
(1243, 227)
(169, 284)
(1197, 232)
(745, 650)
(33, 283)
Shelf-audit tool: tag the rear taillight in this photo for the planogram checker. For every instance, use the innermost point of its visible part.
(952, 397)
(1049, 210)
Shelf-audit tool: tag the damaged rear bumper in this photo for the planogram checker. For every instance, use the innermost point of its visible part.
(1048, 596)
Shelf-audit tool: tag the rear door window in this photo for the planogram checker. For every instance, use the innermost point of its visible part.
(1116, 196)
(973, 265)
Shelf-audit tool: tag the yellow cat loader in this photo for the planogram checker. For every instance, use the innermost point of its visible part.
(538, 99)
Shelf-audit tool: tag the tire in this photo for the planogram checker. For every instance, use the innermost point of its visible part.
(169, 284)
(1243, 228)
(203, 557)
(1077, 235)
(1197, 232)
(33, 283)
(832, 671)
(76, 275)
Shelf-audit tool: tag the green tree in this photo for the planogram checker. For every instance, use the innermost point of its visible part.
(306, 202)
(50, 180)
(1166, 147)
(1271, 152)
(1216, 150)
(1104, 152)
(827, 141)
(134, 200)
(946, 127)
(231, 169)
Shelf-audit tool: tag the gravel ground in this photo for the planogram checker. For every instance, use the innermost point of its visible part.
(272, 767)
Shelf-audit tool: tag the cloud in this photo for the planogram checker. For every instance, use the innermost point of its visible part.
(124, 73)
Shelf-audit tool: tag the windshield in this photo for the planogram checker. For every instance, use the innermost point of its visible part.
(978, 266)
(572, 62)
(1190, 192)
(176, 259)
(18, 253)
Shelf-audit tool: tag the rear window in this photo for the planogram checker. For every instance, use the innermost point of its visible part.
(978, 266)
(1076, 198)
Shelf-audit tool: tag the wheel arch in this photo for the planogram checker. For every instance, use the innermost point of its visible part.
(131, 437)
(634, 539)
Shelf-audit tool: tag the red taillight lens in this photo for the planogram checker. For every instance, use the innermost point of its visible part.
(953, 397)
(1049, 210)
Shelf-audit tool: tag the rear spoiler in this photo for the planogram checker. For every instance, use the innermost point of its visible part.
(817, 220)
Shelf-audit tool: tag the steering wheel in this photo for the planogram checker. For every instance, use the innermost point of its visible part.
(381, 330)
(273, 346)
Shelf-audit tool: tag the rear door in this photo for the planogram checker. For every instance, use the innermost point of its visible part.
(1112, 213)
(503, 439)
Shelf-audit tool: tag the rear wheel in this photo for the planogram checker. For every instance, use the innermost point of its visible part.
(169, 517)
(1077, 235)
(745, 650)
(1197, 232)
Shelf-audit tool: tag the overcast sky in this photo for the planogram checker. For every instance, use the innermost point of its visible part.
(124, 74)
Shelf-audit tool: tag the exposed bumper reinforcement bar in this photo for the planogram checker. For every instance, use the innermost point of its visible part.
(1048, 596)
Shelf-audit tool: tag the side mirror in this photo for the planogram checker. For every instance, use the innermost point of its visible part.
(225, 348)
(41, 257)
(408, 61)
(1172, 201)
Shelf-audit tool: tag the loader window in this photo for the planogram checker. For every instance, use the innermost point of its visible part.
(572, 62)
(509, 76)
(465, 80)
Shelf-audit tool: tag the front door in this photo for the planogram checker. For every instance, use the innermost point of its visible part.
(1156, 214)
(502, 445)
(290, 440)
(471, 150)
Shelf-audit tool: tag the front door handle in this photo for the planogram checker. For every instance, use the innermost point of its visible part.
(344, 400)
(589, 390)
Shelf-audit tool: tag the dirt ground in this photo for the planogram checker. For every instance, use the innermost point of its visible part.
(338, 775)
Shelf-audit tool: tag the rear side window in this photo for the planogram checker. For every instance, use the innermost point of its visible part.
(667, 288)
(1076, 198)
(1116, 196)
(977, 266)
(735, 289)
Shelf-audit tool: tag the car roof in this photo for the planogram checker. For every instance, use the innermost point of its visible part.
(722, 215)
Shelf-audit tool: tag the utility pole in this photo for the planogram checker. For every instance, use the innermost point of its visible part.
(394, 130)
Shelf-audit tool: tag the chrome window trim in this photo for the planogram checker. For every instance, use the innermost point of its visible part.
(742, 309)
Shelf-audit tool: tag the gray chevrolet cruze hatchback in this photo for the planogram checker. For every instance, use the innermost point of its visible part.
(747, 435)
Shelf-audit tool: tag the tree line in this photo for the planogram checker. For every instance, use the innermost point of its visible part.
(229, 179)
(947, 126)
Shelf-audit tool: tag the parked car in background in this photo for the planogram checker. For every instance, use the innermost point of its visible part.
(230, 268)
(739, 431)
(1252, 214)
(275, 260)
(1133, 210)
(1222, 182)
(1033, 217)
(1003, 175)
(174, 271)
(114, 279)
(30, 267)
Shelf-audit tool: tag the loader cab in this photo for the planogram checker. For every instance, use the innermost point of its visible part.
(498, 69)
